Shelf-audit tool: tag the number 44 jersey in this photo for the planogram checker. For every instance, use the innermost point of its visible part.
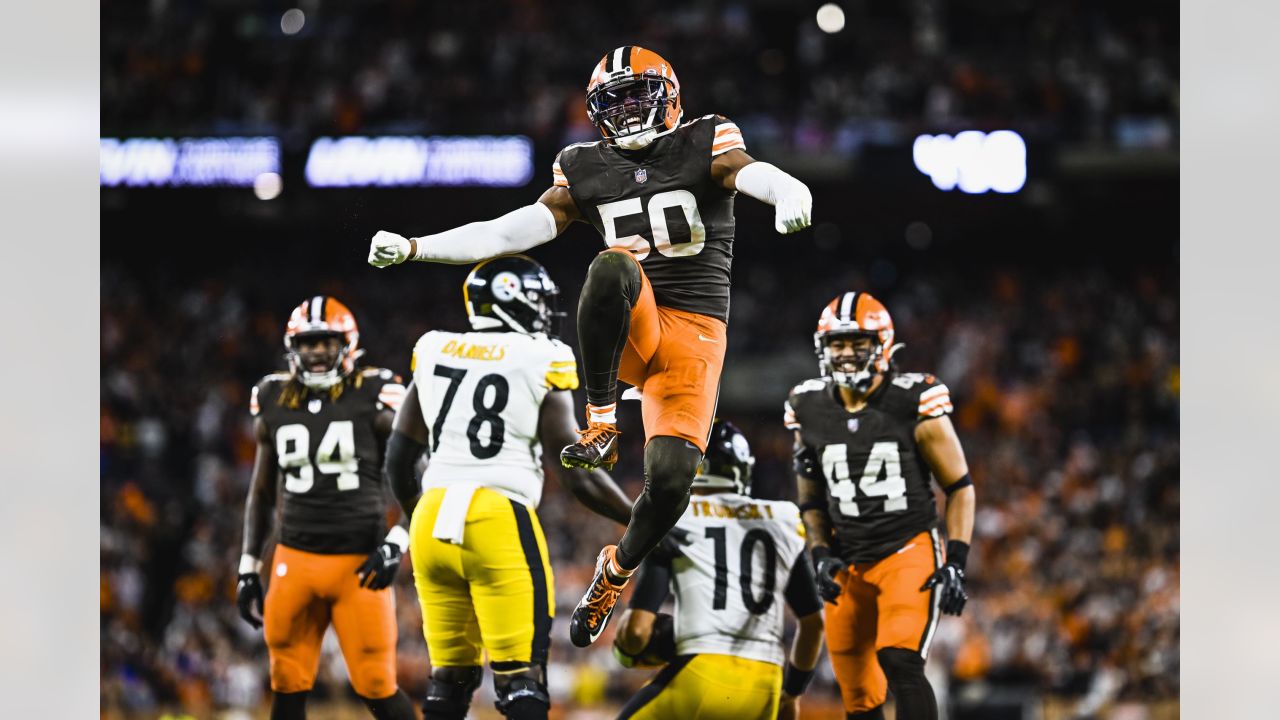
(877, 480)
(481, 395)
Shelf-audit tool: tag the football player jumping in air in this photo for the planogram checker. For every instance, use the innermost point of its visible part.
(655, 302)
(741, 559)
(867, 440)
(487, 404)
(321, 427)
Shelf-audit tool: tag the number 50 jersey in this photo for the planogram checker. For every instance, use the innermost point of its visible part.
(877, 481)
(481, 395)
(663, 205)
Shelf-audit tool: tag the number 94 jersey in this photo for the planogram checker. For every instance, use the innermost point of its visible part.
(662, 204)
(330, 458)
(878, 489)
(481, 395)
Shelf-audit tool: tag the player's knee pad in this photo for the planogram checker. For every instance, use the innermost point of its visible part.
(670, 464)
(373, 677)
(289, 706)
(614, 272)
(449, 692)
(522, 693)
(901, 665)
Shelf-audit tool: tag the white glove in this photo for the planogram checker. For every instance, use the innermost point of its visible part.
(790, 198)
(792, 213)
(387, 248)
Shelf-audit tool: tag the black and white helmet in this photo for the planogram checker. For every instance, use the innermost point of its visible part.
(511, 292)
(728, 462)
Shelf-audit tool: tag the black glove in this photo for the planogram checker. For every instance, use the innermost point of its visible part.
(672, 544)
(825, 568)
(380, 568)
(950, 577)
(249, 596)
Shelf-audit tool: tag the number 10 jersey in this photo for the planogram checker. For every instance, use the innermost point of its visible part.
(481, 395)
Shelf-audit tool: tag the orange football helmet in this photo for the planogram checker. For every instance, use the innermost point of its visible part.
(322, 316)
(855, 314)
(633, 97)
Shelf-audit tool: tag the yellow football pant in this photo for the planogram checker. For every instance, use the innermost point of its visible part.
(491, 593)
(709, 687)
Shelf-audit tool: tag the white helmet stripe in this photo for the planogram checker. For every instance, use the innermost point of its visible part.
(317, 309)
(617, 59)
(847, 306)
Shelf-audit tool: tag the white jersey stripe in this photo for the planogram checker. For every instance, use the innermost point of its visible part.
(933, 391)
(935, 610)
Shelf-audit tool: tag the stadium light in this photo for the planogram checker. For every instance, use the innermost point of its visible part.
(267, 186)
(201, 162)
(830, 18)
(973, 161)
(410, 161)
(292, 21)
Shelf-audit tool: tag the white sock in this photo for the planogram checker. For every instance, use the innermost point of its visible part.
(605, 414)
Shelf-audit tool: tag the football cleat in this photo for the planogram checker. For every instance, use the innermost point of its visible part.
(598, 447)
(596, 607)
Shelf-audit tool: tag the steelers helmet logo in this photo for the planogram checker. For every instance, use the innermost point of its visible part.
(506, 286)
(740, 448)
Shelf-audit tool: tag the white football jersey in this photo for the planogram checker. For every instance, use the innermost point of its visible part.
(730, 581)
(481, 394)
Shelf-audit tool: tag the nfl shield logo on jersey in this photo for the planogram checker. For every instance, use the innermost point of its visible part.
(853, 425)
(314, 405)
(642, 175)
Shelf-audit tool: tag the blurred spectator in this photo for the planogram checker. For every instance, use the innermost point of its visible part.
(1066, 385)
(1087, 72)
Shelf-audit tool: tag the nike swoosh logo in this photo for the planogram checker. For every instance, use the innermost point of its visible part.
(704, 338)
(906, 548)
(608, 446)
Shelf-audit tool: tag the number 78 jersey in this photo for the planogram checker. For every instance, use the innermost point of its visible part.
(481, 395)
(877, 480)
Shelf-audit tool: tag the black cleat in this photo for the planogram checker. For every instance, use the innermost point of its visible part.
(598, 447)
(596, 607)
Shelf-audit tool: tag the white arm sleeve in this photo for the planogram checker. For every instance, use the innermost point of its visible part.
(517, 231)
(768, 184)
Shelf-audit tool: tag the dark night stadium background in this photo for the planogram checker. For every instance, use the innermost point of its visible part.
(1051, 312)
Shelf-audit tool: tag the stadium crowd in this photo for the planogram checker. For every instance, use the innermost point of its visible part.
(1066, 389)
(1088, 72)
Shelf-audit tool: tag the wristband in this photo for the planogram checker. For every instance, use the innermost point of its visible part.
(818, 552)
(250, 565)
(812, 505)
(957, 553)
(963, 482)
(795, 681)
(399, 537)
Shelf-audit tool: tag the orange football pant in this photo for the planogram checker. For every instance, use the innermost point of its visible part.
(882, 606)
(675, 358)
(307, 592)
